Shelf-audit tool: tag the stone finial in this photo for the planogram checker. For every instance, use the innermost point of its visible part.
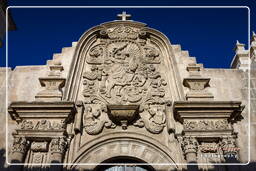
(241, 58)
(253, 47)
(253, 40)
(239, 47)
(196, 83)
(124, 16)
(52, 83)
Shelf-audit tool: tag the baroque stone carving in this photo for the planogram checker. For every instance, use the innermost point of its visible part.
(123, 69)
(20, 144)
(153, 117)
(209, 147)
(39, 146)
(189, 145)
(221, 124)
(228, 146)
(95, 119)
(42, 125)
(58, 145)
(38, 158)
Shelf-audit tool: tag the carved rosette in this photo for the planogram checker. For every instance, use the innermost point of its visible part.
(20, 145)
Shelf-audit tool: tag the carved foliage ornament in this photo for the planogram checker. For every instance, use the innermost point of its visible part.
(39, 146)
(228, 145)
(95, 118)
(123, 69)
(42, 125)
(206, 124)
(189, 145)
(58, 145)
(153, 117)
(20, 144)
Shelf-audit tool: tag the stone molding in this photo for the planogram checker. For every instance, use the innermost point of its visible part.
(40, 123)
(207, 121)
(197, 84)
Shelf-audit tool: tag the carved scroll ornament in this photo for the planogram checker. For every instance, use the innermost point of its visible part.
(95, 119)
(154, 118)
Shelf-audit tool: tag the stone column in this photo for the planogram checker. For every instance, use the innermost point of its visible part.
(18, 153)
(190, 147)
(230, 151)
(19, 150)
(57, 150)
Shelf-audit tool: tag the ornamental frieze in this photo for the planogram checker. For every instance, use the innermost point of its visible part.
(41, 125)
(221, 124)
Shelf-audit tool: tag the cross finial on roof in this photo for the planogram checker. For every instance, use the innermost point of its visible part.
(124, 16)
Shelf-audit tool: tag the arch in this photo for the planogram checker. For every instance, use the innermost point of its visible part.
(90, 36)
(130, 161)
(129, 145)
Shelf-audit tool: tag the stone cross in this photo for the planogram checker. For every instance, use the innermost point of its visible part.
(124, 16)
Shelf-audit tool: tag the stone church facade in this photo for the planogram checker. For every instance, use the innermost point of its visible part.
(124, 94)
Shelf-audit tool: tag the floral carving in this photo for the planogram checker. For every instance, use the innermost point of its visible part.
(151, 54)
(20, 144)
(209, 147)
(37, 158)
(95, 120)
(58, 145)
(228, 146)
(206, 124)
(39, 146)
(154, 118)
(42, 125)
(128, 71)
(122, 32)
(26, 125)
(189, 145)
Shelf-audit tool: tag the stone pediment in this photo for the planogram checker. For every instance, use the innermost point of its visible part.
(123, 63)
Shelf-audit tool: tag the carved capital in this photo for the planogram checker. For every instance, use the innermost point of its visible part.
(228, 146)
(189, 145)
(58, 145)
(20, 145)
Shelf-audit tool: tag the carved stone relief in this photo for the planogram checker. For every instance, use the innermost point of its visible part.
(58, 145)
(221, 124)
(123, 69)
(20, 144)
(39, 146)
(153, 117)
(95, 118)
(41, 125)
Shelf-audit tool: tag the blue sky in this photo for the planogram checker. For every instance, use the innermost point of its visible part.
(209, 34)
